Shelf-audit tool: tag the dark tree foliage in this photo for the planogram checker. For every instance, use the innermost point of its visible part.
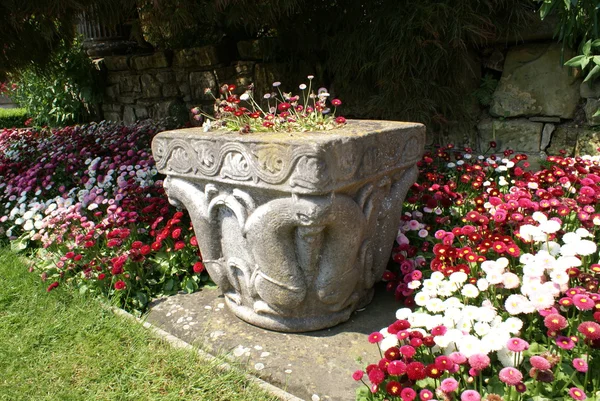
(31, 29)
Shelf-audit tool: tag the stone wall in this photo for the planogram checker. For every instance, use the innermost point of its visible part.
(169, 83)
(540, 107)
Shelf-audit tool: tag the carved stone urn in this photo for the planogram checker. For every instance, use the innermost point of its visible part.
(295, 228)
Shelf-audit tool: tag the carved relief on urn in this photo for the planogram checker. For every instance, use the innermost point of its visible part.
(295, 228)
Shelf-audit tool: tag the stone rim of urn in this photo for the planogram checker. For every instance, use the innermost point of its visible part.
(294, 228)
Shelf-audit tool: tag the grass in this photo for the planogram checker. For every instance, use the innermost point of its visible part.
(63, 346)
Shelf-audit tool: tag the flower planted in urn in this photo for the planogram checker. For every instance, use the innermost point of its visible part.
(277, 111)
(294, 226)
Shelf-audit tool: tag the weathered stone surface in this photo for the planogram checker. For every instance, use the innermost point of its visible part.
(534, 30)
(545, 119)
(206, 56)
(129, 115)
(165, 77)
(285, 252)
(590, 90)
(150, 86)
(141, 112)
(112, 116)
(546, 135)
(130, 83)
(574, 140)
(264, 76)
(201, 80)
(244, 67)
(116, 63)
(256, 49)
(535, 83)
(225, 75)
(111, 92)
(155, 60)
(170, 90)
(112, 107)
(591, 107)
(127, 99)
(520, 134)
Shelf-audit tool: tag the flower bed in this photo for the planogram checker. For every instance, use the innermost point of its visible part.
(498, 270)
(88, 204)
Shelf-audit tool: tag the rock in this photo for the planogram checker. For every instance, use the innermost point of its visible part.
(150, 86)
(116, 63)
(129, 115)
(173, 108)
(535, 83)
(545, 119)
(141, 113)
(588, 90)
(130, 83)
(127, 99)
(199, 81)
(170, 90)
(257, 49)
(575, 141)
(206, 56)
(534, 29)
(155, 60)
(264, 76)
(112, 116)
(165, 77)
(546, 135)
(591, 107)
(520, 135)
(111, 92)
(244, 68)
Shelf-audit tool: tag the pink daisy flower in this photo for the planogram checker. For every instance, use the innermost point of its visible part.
(539, 362)
(565, 342)
(510, 376)
(408, 394)
(375, 337)
(479, 361)
(517, 344)
(470, 395)
(357, 375)
(449, 385)
(555, 322)
(583, 302)
(580, 365)
(425, 395)
(590, 330)
(396, 368)
(458, 358)
(577, 394)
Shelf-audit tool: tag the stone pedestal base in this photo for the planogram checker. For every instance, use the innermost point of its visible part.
(295, 228)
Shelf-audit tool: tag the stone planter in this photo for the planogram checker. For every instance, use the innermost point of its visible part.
(295, 228)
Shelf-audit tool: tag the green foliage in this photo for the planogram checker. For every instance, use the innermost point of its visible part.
(10, 118)
(486, 90)
(31, 30)
(63, 92)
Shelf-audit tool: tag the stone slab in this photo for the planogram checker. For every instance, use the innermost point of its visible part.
(116, 63)
(590, 90)
(316, 363)
(535, 83)
(155, 60)
(205, 56)
(545, 119)
(520, 135)
(575, 140)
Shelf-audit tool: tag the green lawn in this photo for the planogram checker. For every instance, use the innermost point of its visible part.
(63, 346)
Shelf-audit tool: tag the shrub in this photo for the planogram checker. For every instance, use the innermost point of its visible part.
(63, 92)
(12, 118)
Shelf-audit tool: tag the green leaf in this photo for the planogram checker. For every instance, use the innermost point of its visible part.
(83, 289)
(546, 8)
(587, 48)
(190, 286)
(577, 61)
(169, 285)
(597, 113)
(19, 245)
(142, 298)
(593, 73)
